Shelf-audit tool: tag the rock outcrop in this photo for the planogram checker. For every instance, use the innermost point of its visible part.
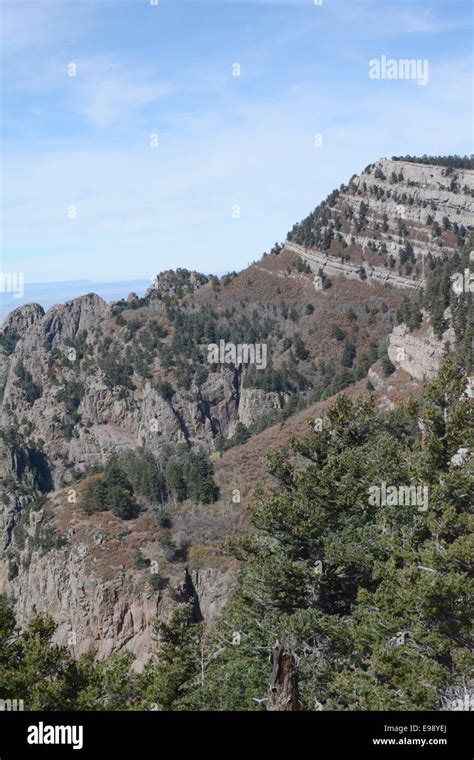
(331, 266)
(19, 321)
(386, 223)
(421, 352)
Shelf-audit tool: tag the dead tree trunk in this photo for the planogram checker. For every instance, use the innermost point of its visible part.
(283, 691)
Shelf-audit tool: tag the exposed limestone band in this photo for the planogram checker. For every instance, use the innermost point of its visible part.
(333, 266)
(238, 353)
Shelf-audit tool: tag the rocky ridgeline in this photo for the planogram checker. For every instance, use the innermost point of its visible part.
(110, 417)
(89, 583)
(388, 221)
(429, 190)
(334, 267)
(81, 569)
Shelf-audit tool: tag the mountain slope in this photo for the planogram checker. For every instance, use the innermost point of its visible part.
(89, 381)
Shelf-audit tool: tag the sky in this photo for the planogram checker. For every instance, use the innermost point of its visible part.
(143, 136)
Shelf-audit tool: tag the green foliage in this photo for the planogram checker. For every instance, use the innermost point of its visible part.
(206, 325)
(140, 561)
(286, 379)
(116, 372)
(309, 232)
(327, 282)
(410, 313)
(110, 491)
(407, 258)
(165, 389)
(189, 475)
(71, 395)
(107, 684)
(348, 354)
(32, 390)
(387, 366)
(8, 343)
(342, 578)
(301, 351)
(241, 434)
(302, 266)
(46, 676)
(455, 161)
(170, 676)
(439, 294)
(375, 599)
(338, 332)
(143, 472)
(180, 474)
(32, 668)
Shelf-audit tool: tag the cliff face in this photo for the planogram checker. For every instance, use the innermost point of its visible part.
(83, 569)
(331, 266)
(109, 416)
(388, 221)
(420, 352)
(429, 190)
(104, 580)
(88, 378)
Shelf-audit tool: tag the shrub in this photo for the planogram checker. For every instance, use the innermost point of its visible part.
(165, 389)
(140, 561)
(32, 390)
(300, 349)
(110, 491)
(387, 366)
(348, 354)
(338, 332)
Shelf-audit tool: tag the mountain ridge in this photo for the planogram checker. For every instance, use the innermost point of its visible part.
(87, 381)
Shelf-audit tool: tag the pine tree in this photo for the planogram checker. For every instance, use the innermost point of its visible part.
(174, 670)
(376, 600)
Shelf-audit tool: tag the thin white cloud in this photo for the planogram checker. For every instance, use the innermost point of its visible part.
(146, 205)
(368, 20)
(30, 26)
(109, 90)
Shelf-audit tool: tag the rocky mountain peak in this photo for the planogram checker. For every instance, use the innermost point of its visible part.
(88, 382)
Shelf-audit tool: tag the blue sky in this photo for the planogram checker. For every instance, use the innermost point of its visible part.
(224, 141)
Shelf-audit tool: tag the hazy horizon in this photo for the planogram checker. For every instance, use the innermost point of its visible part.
(48, 294)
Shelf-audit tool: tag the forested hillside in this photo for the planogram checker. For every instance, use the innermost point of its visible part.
(372, 601)
(174, 536)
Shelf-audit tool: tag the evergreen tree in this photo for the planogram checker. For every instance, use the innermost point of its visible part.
(376, 600)
(172, 673)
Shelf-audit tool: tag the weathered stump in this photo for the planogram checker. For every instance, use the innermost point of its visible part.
(283, 690)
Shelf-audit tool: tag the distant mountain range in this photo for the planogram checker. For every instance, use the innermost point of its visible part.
(48, 294)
